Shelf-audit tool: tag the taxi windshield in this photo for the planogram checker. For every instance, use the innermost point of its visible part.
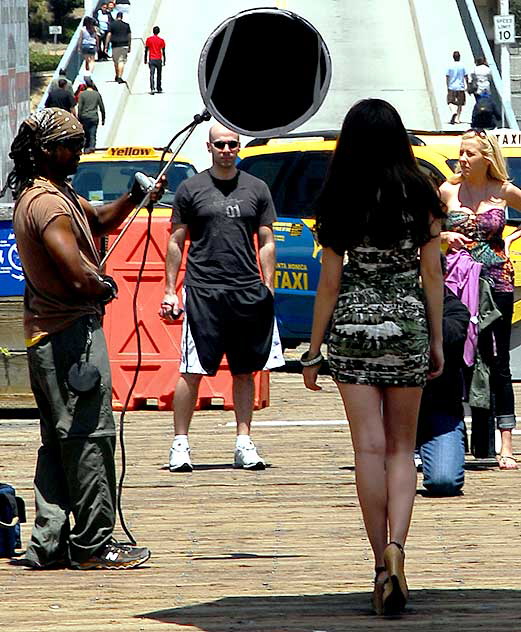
(105, 181)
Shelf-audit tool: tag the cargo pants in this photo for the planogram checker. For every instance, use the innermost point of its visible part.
(75, 470)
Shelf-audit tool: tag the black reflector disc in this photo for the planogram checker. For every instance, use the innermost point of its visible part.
(264, 72)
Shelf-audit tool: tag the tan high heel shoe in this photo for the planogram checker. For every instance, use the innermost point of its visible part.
(395, 592)
(378, 591)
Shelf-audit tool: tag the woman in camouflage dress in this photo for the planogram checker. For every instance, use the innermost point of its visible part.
(379, 208)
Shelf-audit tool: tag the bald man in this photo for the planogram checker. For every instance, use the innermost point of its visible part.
(228, 301)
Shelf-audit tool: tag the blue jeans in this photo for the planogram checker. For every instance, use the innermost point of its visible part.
(90, 127)
(156, 69)
(443, 454)
(500, 375)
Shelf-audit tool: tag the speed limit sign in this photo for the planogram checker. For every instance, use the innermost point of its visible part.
(504, 29)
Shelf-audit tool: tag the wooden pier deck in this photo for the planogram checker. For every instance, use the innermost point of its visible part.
(283, 550)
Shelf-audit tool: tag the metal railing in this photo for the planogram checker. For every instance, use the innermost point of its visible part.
(478, 38)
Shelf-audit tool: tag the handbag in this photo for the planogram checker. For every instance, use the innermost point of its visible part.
(472, 86)
(12, 513)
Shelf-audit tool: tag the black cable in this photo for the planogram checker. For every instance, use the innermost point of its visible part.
(134, 381)
(165, 149)
(198, 118)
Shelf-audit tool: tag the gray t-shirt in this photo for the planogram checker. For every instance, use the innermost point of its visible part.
(222, 217)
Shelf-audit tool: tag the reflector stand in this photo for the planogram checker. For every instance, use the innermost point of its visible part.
(189, 129)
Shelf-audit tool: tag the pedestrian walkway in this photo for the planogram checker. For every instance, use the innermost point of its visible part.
(283, 550)
(395, 54)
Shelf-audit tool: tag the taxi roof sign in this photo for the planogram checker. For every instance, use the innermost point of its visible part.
(507, 137)
(133, 152)
(295, 139)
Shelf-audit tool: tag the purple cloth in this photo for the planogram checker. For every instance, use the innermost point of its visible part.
(463, 279)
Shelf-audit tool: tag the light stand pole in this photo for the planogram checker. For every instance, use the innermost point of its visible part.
(188, 130)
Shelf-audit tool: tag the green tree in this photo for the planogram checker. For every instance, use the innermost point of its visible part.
(62, 8)
(40, 17)
(515, 9)
(42, 13)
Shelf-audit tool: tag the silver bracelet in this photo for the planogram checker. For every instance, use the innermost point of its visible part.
(313, 361)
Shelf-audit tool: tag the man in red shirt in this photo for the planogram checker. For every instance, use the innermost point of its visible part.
(155, 56)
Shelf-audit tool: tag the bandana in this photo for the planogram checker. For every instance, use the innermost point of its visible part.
(51, 125)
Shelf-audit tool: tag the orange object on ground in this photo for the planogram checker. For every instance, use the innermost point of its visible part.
(160, 340)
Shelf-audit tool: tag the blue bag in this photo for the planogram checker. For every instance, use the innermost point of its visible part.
(12, 513)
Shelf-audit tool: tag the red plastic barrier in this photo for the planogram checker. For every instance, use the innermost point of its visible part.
(160, 341)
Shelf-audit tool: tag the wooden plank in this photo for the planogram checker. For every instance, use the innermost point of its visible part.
(6, 211)
(282, 550)
(14, 375)
(11, 322)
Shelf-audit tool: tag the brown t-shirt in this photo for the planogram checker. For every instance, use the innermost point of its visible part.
(50, 305)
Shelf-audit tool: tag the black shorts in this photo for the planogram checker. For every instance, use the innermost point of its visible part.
(238, 323)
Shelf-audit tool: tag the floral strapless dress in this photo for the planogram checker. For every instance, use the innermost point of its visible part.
(487, 248)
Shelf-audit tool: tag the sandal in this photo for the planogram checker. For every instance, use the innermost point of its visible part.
(395, 592)
(378, 591)
(507, 462)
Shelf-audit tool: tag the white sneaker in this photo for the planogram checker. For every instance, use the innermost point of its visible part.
(180, 459)
(418, 463)
(248, 458)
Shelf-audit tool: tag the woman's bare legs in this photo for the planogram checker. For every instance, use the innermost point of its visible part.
(400, 414)
(363, 405)
(89, 63)
(383, 428)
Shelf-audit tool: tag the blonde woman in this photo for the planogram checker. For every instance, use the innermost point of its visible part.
(476, 198)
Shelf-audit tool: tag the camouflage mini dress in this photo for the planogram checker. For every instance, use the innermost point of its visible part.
(379, 332)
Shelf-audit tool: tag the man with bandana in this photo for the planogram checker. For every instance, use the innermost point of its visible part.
(66, 350)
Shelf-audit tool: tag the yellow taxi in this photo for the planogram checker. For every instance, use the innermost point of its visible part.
(107, 173)
(294, 168)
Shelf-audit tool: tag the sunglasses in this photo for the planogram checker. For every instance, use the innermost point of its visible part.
(221, 144)
(479, 131)
(73, 144)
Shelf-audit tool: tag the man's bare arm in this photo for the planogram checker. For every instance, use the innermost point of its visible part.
(103, 219)
(267, 255)
(174, 255)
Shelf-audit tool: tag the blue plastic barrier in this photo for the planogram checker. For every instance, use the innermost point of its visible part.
(12, 281)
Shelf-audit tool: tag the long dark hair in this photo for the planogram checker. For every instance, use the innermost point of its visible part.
(374, 188)
(90, 84)
(43, 129)
(90, 24)
(23, 153)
